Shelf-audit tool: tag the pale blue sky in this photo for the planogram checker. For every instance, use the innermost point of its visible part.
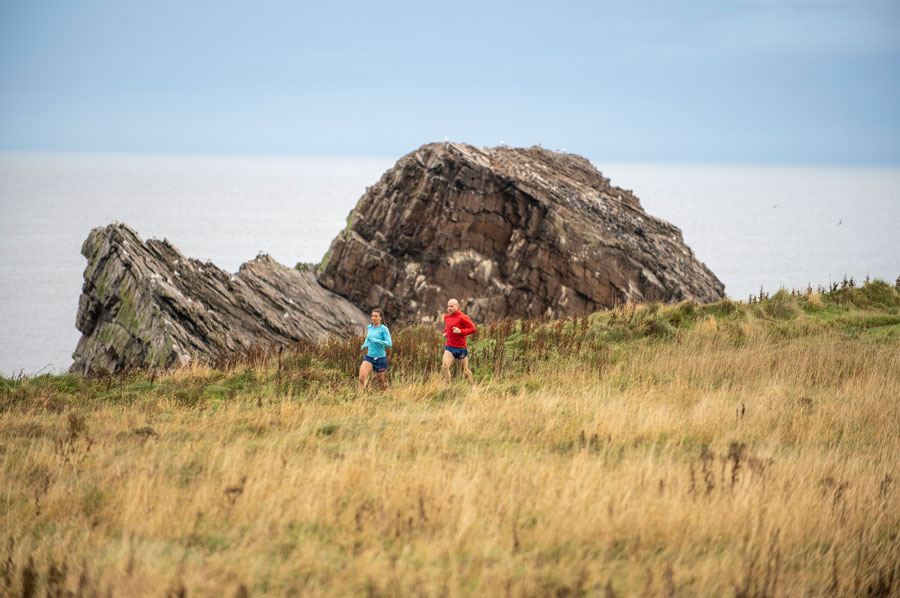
(800, 81)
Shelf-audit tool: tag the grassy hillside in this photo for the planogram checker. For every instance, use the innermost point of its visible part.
(734, 449)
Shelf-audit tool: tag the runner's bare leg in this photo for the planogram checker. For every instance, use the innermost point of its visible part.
(445, 366)
(465, 364)
(364, 370)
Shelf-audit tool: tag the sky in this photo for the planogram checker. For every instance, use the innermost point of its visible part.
(794, 81)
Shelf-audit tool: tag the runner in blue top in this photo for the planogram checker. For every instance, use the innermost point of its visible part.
(377, 339)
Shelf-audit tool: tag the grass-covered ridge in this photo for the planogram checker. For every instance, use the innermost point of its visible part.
(738, 448)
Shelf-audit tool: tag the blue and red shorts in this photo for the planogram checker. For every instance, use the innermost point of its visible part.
(379, 364)
(458, 352)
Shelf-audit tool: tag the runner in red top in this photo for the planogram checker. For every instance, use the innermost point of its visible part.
(457, 326)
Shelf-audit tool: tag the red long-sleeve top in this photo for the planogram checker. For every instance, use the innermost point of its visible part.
(465, 325)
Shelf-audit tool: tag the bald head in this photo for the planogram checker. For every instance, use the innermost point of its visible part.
(452, 306)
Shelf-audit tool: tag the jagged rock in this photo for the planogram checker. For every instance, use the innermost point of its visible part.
(510, 232)
(146, 305)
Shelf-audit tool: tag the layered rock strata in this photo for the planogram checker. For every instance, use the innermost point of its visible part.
(509, 232)
(144, 304)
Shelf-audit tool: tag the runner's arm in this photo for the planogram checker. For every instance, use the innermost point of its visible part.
(385, 341)
(468, 327)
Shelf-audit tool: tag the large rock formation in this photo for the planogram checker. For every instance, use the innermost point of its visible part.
(146, 305)
(510, 232)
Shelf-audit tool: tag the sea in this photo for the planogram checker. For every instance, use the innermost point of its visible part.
(757, 227)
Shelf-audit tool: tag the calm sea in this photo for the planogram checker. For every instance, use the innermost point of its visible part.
(754, 226)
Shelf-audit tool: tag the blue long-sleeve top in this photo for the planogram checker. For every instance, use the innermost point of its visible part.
(377, 338)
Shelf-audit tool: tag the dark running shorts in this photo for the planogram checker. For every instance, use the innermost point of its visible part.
(379, 364)
(458, 352)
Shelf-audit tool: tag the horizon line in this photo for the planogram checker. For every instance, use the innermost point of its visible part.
(286, 154)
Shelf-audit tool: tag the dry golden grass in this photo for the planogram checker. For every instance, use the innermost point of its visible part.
(731, 458)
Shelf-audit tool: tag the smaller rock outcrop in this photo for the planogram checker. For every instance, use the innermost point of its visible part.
(144, 304)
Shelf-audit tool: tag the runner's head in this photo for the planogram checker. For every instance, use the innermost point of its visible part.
(452, 306)
(377, 317)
